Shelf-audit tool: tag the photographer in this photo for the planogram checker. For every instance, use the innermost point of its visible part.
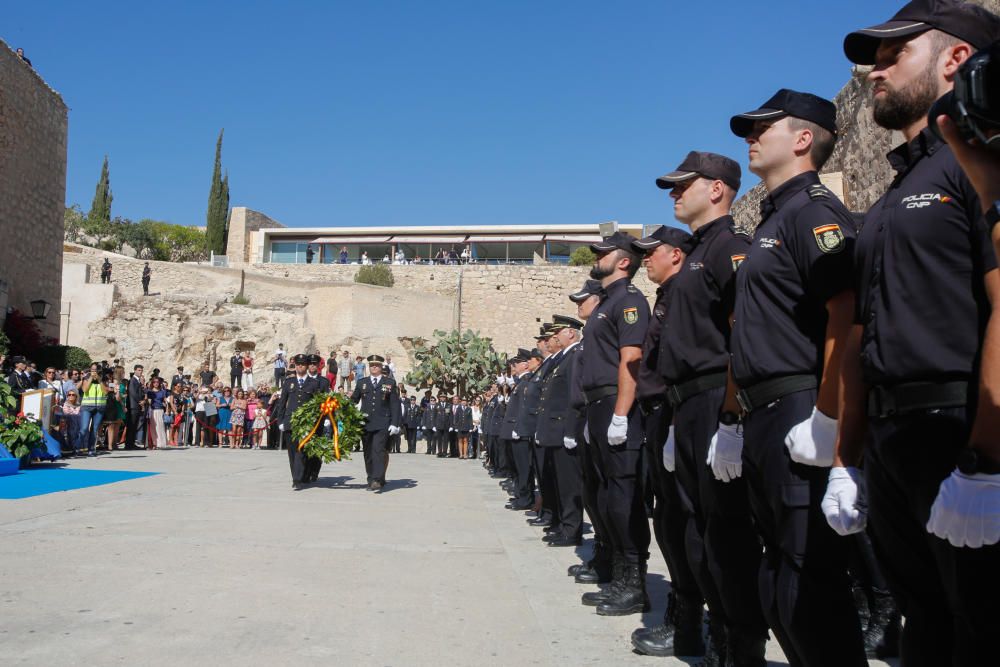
(94, 392)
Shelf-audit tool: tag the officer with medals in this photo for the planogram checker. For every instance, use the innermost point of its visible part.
(427, 425)
(442, 426)
(522, 495)
(611, 357)
(314, 463)
(793, 320)
(380, 405)
(722, 545)
(926, 280)
(664, 253)
(411, 420)
(295, 392)
(541, 461)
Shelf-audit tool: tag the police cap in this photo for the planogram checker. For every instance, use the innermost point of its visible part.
(301, 359)
(537, 354)
(671, 236)
(375, 359)
(788, 103)
(523, 354)
(617, 241)
(566, 322)
(708, 165)
(590, 288)
(544, 332)
(314, 359)
(963, 20)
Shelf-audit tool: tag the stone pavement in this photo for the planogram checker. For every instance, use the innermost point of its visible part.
(218, 561)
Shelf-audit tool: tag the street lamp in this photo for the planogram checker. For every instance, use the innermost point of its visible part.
(40, 308)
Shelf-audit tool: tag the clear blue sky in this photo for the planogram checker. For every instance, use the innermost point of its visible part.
(434, 112)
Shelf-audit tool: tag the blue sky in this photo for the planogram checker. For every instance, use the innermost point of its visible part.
(435, 112)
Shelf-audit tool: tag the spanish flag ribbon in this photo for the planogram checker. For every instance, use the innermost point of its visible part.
(326, 410)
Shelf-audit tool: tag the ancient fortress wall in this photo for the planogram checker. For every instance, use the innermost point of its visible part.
(33, 126)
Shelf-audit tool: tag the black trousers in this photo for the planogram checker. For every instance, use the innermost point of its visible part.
(621, 492)
(669, 516)
(375, 453)
(234, 380)
(545, 478)
(593, 480)
(723, 548)
(948, 595)
(394, 443)
(568, 476)
(521, 457)
(474, 443)
(296, 459)
(411, 440)
(133, 423)
(805, 590)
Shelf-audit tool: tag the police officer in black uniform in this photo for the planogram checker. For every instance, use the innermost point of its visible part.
(503, 461)
(427, 420)
(380, 405)
(442, 426)
(541, 459)
(722, 545)
(490, 401)
(665, 251)
(794, 314)
(612, 355)
(295, 392)
(522, 497)
(926, 279)
(412, 420)
(314, 463)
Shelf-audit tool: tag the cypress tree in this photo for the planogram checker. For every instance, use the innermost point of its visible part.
(218, 205)
(225, 208)
(100, 209)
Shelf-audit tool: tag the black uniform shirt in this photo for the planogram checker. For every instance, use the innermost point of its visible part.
(801, 256)
(922, 253)
(695, 338)
(651, 383)
(618, 321)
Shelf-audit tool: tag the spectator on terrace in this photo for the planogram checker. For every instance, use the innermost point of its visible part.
(343, 254)
(20, 54)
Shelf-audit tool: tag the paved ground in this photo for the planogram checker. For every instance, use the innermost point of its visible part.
(218, 561)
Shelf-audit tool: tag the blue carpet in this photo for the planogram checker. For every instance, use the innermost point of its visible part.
(37, 482)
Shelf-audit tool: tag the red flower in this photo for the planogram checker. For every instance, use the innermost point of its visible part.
(20, 414)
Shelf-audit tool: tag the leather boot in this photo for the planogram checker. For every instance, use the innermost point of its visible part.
(598, 569)
(631, 596)
(715, 648)
(595, 598)
(680, 633)
(599, 551)
(884, 627)
(744, 649)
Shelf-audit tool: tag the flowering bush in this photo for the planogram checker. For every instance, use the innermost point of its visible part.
(20, 434)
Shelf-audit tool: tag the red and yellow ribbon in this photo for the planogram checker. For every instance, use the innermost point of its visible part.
(326, 410)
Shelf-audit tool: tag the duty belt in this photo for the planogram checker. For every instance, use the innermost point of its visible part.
(678, 393)
(648, 406)
(901, 399)
(597, 393)
(768, 391)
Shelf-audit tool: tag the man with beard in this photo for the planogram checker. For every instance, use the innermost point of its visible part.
(927, 277)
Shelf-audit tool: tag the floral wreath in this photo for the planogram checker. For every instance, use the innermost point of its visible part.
(333, 442)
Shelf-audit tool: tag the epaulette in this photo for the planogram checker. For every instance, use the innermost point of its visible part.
(633, 289)
(818, 191)
(740, 231)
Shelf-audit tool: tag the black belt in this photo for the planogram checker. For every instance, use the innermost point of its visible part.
(913, 396)
(768, 391)
(648, 406)
(597, 393)
(678, 393)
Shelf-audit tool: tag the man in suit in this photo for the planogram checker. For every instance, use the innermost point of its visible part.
(412, 420)
(442, 426)
(380, 405)
(135, 396)
(427, 425)
(296, 391)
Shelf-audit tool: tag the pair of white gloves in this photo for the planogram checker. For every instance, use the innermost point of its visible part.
(725, 452)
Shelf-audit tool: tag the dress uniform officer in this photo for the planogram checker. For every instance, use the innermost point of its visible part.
(442, 426)
(464, 427)
(295, 391)
(503, 462)
(522, 497)
(485, 424)
(412, 420)
(314, 463)
(611, 356)
(794, 314)
(427, 420)
(539, 366)
(380, 405)
(926, 279)
(722, 545)
(665, 250)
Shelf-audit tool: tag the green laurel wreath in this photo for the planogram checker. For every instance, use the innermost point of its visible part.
(350, 425)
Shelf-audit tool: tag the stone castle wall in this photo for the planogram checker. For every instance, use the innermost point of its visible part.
(33, 126)
(243, 222)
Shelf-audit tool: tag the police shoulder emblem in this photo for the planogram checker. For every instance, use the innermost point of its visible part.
(631, 315)
(829, 238)
(737, 260)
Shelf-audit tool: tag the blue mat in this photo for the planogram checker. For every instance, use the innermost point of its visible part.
(37, 482)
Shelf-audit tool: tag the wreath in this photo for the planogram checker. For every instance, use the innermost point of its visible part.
(333, 442)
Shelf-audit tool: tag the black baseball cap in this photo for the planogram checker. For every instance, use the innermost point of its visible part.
(566, 322)
(708, 165)
(671, 236)
(788, 103)
(617, 241)
(963, 20)
(590, 288)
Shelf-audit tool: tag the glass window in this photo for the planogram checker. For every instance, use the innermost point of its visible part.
(524, 253)
(285, 252)
(490, 253)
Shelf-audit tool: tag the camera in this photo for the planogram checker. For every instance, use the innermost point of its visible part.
(974, 104)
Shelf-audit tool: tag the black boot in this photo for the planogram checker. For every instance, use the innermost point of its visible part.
(631, 597)
(715, 648)
(680, 633)
(884, 627)
(598, 569)
(744, 649)
(595, 598)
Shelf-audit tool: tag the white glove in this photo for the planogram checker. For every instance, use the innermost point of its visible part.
(668, 451)
(434, 429)
(513, 434)
(845, 503)
(393, 430)
(327, 424)
(618, 430)
(452, 429)
(569, 443)
(586, 434)
(725, 453)
(966, 511)
(812, 441)
(281, 427)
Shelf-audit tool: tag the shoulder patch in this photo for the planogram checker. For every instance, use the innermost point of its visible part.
(818, 191)
(631, 315)
(737, 260)
(829, 238)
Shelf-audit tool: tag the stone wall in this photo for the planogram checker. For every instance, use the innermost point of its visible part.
(243, 222)
(33, 126)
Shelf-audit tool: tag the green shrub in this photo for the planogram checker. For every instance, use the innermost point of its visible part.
(241, 300)
(582, 256)
(375, 274)
(62, 356)
(4, 343)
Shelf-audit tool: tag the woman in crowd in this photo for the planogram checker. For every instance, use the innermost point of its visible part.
(114, 417)
(238, 419)
(157, 397)
(69, 424)
(210, 421)
(260, 422)
(247, 382)
(477, 417)
(252, 408)
(94, 400)
(175, 408)
(226, 413)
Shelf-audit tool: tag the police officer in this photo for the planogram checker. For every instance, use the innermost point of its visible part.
(723, 548)
(412, 421)
(664, 253)
(295, 392)
(503, 462)
(427, 421)
(380, 405)
(541, 460)
(490, 401)
(926, 279)
(442, 426)
(794, 315)
(522, 496)
(611, 358)
(313, 464)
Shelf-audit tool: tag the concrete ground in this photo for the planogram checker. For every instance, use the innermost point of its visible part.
(218, 561)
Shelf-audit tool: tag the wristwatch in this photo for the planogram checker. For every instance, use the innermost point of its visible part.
(993, 215)
(729, 418)
(971, 462)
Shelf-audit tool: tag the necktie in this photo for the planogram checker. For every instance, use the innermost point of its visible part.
(301, 382)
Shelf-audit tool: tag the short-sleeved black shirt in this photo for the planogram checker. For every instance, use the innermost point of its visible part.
(922, 252)
(695, 338)
(620, 320)
(651, 383)
(801, 256)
